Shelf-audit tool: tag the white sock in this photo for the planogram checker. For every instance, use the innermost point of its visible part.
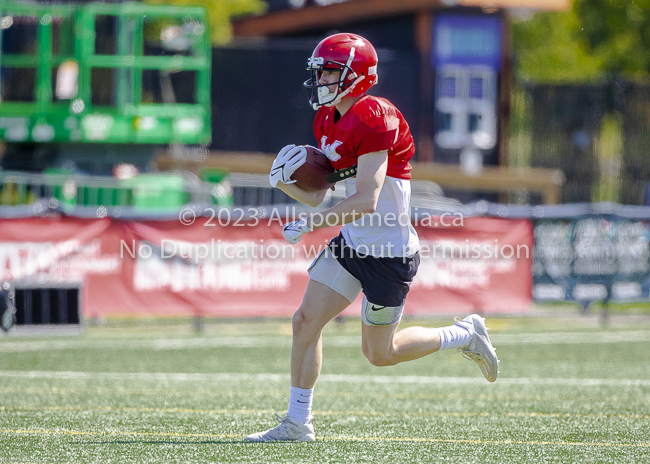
(300, 404)
(453, 336)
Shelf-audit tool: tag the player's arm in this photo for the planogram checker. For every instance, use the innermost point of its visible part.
(371, 172)
(308, 197)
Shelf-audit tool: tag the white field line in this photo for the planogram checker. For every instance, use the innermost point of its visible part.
(164, 344)
(376, 379)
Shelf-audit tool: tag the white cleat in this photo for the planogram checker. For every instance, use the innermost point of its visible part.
(288, 430)
(479, 348)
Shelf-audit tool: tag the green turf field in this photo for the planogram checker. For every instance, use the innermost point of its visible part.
(569, 392)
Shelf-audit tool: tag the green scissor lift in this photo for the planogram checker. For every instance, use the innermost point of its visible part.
(86, 68)
(67, 36)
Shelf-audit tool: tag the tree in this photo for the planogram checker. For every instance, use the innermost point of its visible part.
(547, 49)
(220, 13)
(594, 39)
(617, 33)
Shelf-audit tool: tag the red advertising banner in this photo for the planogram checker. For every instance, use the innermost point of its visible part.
(246, 268)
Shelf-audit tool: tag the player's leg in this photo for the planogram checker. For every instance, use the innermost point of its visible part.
(320, 305)
(386, 282)
(384, 345)
(330, 290)
(387, 346)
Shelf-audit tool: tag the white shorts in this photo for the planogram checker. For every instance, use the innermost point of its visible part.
(327, 270)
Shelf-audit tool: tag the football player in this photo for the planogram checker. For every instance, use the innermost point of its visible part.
(378, 259)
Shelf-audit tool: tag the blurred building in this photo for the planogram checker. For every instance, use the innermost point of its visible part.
(446, 64)
(86, 86)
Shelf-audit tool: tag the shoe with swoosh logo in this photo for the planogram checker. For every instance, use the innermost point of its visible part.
(479, 348)
(288, 430)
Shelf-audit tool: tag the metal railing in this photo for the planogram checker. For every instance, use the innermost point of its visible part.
(254, 190)
(145, 191)
(158, 191)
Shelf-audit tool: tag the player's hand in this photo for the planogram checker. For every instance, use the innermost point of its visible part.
(293, 231)
(288, 160)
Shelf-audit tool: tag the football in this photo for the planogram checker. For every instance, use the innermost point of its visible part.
(313, 174)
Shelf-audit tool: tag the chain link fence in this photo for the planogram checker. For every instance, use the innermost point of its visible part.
(598, 135)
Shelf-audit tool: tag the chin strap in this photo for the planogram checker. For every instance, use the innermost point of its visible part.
(338, 98)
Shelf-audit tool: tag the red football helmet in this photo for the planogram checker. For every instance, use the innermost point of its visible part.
(351, 54)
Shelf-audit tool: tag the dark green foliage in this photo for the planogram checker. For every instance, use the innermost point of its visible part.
(617, 32)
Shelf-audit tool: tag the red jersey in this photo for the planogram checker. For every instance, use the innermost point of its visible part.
(372, 124)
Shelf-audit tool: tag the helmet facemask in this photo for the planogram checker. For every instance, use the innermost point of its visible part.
(319, 94)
